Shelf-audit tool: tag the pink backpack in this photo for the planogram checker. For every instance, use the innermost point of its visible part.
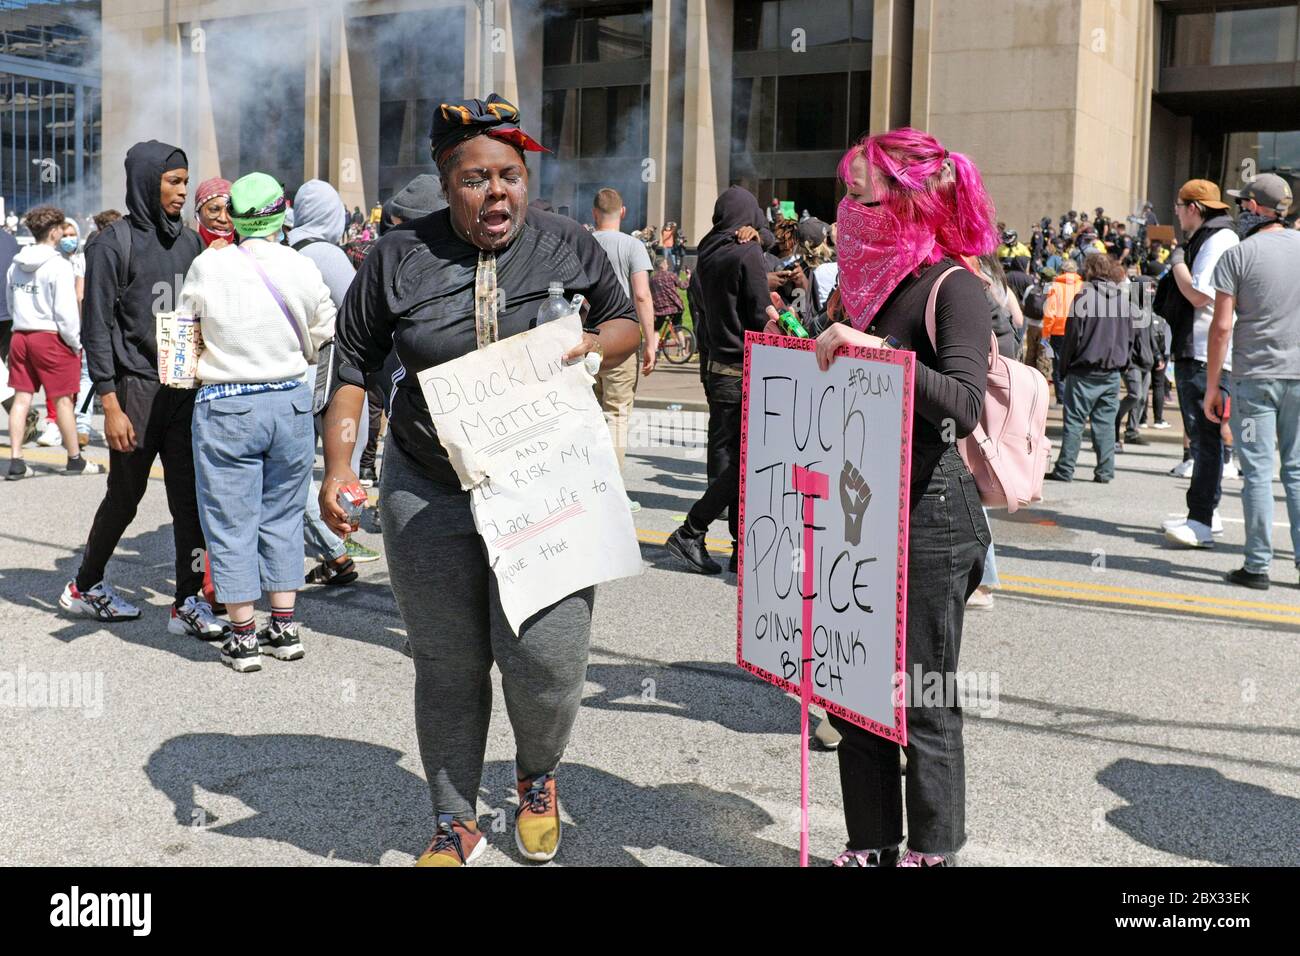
(1008, 450)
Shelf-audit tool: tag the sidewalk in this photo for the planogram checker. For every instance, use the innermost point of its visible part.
(670, 386)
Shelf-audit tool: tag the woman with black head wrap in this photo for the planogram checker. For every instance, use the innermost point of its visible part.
(415, 293)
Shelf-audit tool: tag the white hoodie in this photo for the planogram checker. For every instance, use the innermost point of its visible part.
(42, 294)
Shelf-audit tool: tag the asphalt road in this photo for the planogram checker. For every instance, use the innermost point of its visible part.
(1146, 712)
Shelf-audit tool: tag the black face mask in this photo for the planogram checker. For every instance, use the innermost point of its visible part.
(1248, 222)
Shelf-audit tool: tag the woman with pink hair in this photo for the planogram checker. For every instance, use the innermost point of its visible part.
(914, 211)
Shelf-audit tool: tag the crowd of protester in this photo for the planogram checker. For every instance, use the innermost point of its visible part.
(309, 337)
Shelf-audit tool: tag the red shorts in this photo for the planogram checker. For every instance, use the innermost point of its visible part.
(39, 359)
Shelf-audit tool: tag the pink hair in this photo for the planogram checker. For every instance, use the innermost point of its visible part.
(926, 188)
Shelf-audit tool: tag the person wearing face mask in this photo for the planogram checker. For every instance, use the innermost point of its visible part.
(131, 267)
(415, 293)
(913, 213)
(212, 205)
(69, 246)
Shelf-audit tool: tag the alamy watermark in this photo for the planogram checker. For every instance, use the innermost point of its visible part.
(77, 690)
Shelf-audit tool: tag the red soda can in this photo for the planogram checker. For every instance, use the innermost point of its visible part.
(352, 499)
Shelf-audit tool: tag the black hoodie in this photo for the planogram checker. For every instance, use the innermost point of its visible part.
(733, 277)
(118, 335)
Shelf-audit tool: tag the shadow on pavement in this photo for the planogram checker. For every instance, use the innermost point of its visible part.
(1199, 814)
(347, 800)
(610, 814)
(334, 798)
(705, 691)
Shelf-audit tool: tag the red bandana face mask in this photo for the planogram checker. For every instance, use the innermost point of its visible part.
(875, 253)
(209, 237)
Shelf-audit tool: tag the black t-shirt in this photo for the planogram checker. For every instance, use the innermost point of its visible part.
(415, 294)
(950, 384)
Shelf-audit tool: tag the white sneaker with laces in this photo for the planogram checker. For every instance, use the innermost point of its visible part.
(195, 618)
(1183, 469)
(1191, 534)
(1230, 471)
(1161, 425)
(100, 602)
(49, 436)
(1216, 523)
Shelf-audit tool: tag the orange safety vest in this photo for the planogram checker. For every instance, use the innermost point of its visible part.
(1056, 307)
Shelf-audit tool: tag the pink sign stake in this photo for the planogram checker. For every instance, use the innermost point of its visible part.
(812, 485)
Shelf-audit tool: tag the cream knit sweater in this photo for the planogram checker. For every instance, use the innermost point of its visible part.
(246, 337)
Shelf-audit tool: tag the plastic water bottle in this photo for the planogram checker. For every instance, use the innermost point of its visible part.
(555, 306)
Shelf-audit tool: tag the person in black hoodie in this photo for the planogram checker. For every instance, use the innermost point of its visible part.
(126, 266)
(1098, 339)
(733, 282)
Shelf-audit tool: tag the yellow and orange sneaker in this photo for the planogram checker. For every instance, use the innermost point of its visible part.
(454, 844)
(537, 821)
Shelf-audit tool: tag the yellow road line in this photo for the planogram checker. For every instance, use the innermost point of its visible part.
(1138, 592)
(716, 545)
(1093, 598)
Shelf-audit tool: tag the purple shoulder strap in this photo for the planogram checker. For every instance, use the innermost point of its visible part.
(275, 294)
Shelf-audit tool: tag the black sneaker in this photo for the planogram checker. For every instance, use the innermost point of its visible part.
(17, 469)
(1100, 480)
(1136, 440)
(692, 550)
(1055, 476)
(367, 478)
(333, 574)
(241, 654)
(1248, 579)
(280, 642)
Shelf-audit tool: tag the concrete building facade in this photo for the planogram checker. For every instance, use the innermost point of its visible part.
(1064, 104)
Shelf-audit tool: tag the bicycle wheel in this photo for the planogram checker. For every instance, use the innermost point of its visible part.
(688, 345)
(670, 350)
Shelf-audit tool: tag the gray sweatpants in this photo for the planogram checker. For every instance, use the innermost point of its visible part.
(448, 600)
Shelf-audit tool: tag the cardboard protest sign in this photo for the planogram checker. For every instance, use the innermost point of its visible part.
(180, 343)
(834, 446)
(528, 440)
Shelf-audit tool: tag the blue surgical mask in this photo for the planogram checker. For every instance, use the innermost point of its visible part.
(68, 245)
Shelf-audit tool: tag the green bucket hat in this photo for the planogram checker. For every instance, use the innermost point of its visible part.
(257, 205)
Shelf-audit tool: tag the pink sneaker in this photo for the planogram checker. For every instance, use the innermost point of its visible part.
(912, 858)
(887, 856)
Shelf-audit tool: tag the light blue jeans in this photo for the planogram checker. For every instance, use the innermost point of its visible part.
(252, 465)
(1266, 422)
(319, 539)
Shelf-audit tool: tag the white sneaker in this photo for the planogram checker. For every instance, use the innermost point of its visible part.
(1191, 534)
(100, 602)
(1230, 470)
(195, 618)
(1161, 425)
(1216, 523)
(1183, 469)
(981, 600)
(633, 506)
(49, 436)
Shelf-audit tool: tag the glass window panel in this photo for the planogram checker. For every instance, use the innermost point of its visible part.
(823, 22)
(753, 107)
(612, 122)
(623, 35)
(1193, 39)
(812, 112)
(560, 39)
(560, 122)
(863, 19)
(1254, 36)
(859, 105)
(757, 25)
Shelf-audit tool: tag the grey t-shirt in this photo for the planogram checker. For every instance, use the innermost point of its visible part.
(626, 254)
(1263, 274)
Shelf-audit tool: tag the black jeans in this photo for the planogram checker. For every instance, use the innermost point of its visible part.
(1204, 438)
(724, 395)
(162, 418)
(1058, 373)
(947, 543)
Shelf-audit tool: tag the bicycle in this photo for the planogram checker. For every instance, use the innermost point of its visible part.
(676, 344)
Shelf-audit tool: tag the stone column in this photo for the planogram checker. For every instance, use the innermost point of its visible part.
(660, 52)
(347, 170)
(311, 128)
(706, 157)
